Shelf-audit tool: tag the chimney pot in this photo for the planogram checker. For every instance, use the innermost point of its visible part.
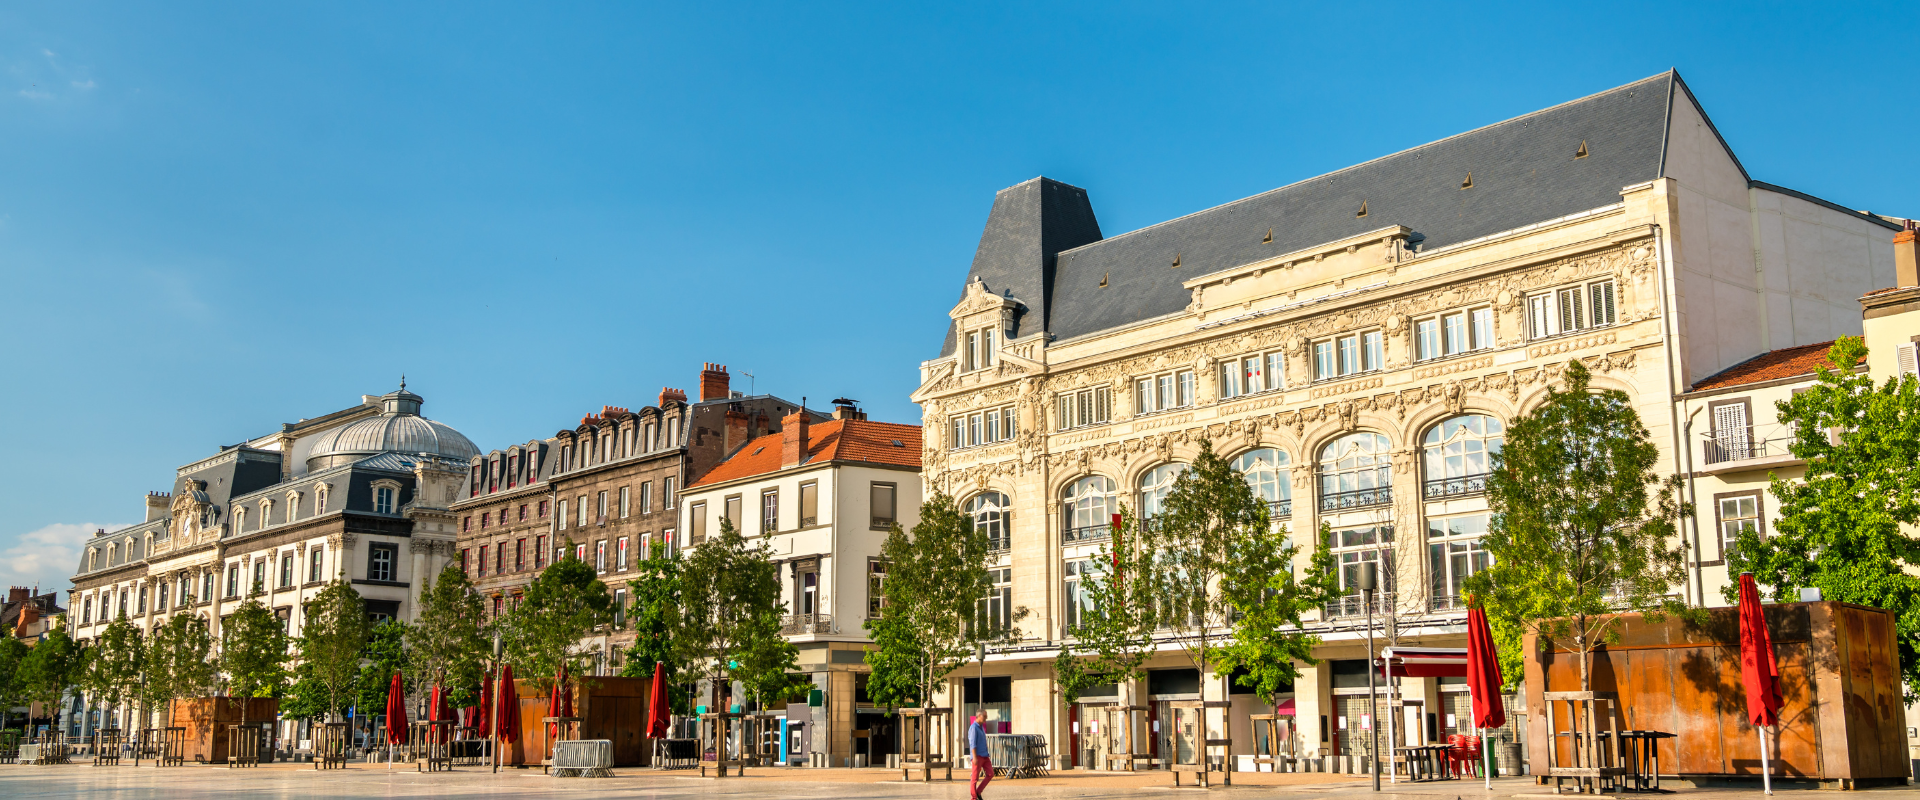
(713, 383)
(736, 431)
(793, 439)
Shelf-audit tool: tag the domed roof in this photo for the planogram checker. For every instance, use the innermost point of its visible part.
(398, 429)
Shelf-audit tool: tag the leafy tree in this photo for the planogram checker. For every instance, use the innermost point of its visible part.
(253, 652)
(113, 675)
(1114, 636)
(1220, 567)
(13, 653)
(1841, 525)
(307, 697)
(564, 605)
(52, 667)
(180, 663)
(384, 654)
(930, 621)
(1583, 529)
(331, 643)
(729, 592)
(447, 643)
(768, 663)
(655, 612)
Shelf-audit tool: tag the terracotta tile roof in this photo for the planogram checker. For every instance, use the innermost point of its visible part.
(1787, 363)
(836, 440)
(1884, 291)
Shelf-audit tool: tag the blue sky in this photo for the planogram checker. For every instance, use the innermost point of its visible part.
(218, 218)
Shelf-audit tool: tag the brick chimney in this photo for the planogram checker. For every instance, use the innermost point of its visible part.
(17, 594)
(1906, 257)
(736, 432)
(29, 614)
(793, 439)
(713, 382)
(669, 394)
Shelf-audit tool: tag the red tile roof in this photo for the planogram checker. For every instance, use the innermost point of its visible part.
(1788, 363)
(1884, 291)
(856, 440)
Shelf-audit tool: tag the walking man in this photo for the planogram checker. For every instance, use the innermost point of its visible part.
(982, 766)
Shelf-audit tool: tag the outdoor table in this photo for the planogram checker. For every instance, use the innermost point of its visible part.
(1426, 759)
(1640, 753)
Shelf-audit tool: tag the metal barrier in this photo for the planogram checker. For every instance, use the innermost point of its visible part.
(583, 758)
(49, 747)
(1018, 755)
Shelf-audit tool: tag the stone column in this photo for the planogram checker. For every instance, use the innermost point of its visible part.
(420, 549)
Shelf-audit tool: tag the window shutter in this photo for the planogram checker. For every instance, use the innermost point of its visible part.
(1602, 297)
(1730, 430)
(1909, 363)
(1570, 317)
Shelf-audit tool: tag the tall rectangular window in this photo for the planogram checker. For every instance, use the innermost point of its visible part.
(809, 504)
(876, 586)
(539, 551)
(1737, 513)
(382, 501)
(667, 498)
(646, 497)
(770, 510)
(483, 559)
(1323, 361)
(730, 510)
(603, 506)
(697, 523)
(233, 580)
(381, 558)
(1371, 351)
(619, 609)
(600, 556)
(466, 560)
(1426, 339)
(624, 507)
(519, 555)
(315, 556)
(286, 569)
(1167, 390)
(1482, 328)
(582, 501)
(563, 515)
(882, 502)
(1571, 308)
(1081, 408)
(620, 554)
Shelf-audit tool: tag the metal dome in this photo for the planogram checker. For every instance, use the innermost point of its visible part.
(398, 429)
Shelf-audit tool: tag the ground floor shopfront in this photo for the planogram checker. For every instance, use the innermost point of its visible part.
(1327, 711)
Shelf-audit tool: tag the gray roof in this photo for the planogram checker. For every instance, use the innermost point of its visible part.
(398, 429)
(1524, 171)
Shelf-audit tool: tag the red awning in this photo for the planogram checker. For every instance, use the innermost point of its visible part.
(1424, 662)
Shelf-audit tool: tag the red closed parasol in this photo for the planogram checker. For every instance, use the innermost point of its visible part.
(439, 709)
(1758, 672)
(1484, 680)
(657, 703)
(560, 701)
(483, 718)
(396, 711)
(507, 717)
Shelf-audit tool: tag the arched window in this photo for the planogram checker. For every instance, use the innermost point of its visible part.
(990, 512)
(1459, 454)
(1087, 510)
(1155, 485)
(1266, 471)
(1355, 473)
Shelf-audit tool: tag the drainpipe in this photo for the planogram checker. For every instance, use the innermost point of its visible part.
(1680, 431)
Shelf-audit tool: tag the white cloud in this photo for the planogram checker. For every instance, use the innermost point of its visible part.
(46, 557)
(36, 94)
(84, 84)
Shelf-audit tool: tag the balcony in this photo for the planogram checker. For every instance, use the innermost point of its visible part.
(1443, 488)
(1280, 509)
(1356, 605)
(1741, 453)
(802, 624)
(1086, 533)
(999, 544)
(1447, 602)
(1356, 499)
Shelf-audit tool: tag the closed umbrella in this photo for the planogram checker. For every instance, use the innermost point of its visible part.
(396, 716)
(507, 717)
(1484, 681)
(560, 700)
(657, 703)
(1758, 672)
(483, 718)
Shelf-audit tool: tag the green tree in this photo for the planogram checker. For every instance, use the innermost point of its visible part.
(728, 592)
(1220, 567)
(13, 653)
(930, 621)
(114, 673)
(180, 663)
(655, 612)
(331, 643)
(768, 663)
(448, 641)
(565, 604)
(253, 652)
(1841, 526)
(1583, 528)
(52, 667)
(1117, 618)
(384, 653)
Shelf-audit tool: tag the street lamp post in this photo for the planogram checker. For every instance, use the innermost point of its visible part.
(1367, 581)
(493, 725)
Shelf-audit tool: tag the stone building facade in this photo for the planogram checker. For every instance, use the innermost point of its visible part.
(360, 494)
(606, 487)
(1356, 343)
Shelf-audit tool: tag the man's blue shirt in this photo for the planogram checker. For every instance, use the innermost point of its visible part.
(977, 739)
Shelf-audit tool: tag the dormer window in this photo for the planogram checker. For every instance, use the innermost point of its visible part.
(319, 499)
(383, 500)
(513, 470)
(293, 506)
(979, 350)
(266, 513)
(239, 520)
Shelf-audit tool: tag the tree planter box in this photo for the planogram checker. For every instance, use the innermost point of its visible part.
(614, 709)
(205, 722)
(1841, 722)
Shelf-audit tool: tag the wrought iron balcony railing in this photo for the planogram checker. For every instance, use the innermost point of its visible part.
(1438, 488)
(1356, 605)
(1356, 499)
(799, 624)
(1085, 533)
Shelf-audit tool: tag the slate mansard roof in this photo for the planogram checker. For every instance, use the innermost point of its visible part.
(1042, 245)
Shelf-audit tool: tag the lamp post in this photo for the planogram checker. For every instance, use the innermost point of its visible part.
(1366, 582)
(493, 725)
